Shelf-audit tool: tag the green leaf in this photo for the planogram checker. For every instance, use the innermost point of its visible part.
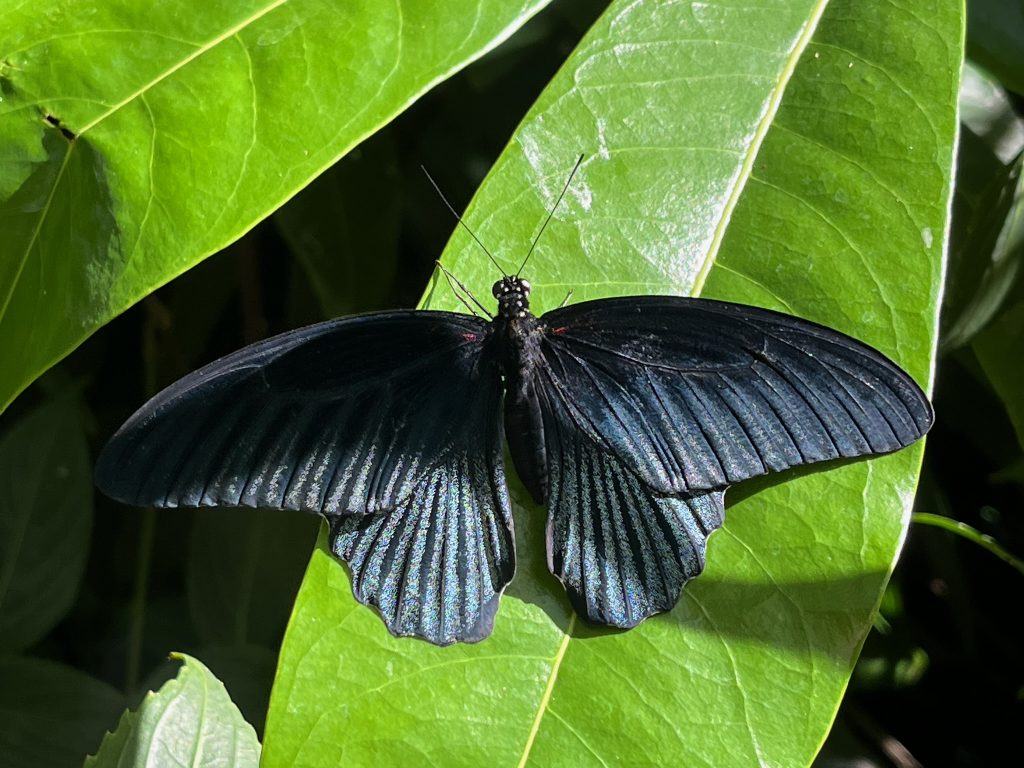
(987, 242)
(247, 673)
(987, 250)
(46, 501)
(50, 714)
(988, 111)
(191, 720)
(208, 117)
(839, 215)
(998, 349)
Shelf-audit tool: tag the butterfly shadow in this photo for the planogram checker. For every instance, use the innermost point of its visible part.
(824, 617)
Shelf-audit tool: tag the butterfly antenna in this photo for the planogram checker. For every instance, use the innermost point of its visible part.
(550, 214)
(453, 281)
(459, 219)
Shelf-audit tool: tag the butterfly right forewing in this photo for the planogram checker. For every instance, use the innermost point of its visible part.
(698, 394)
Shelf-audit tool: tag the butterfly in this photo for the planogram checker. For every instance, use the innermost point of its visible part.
(627, 417)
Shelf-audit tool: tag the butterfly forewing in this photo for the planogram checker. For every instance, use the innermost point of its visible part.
(343, 416)
(698, 394)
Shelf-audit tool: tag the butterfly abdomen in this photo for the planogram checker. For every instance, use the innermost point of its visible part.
(518, 340)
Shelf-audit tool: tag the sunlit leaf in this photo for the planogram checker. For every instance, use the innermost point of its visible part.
(746, 153)
(191, 720)
(155, 134)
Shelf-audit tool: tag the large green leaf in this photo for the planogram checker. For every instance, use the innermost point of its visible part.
(831, 202)
(180, 126)
(191, 720)
(45, 521)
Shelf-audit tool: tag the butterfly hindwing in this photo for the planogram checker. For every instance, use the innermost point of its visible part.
(387, 424)
(435, 567)
(698, 394)
(622, 551)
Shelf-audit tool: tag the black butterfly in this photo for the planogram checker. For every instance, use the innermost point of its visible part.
(629, 418)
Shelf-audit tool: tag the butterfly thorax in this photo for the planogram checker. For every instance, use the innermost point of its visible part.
(517, 334)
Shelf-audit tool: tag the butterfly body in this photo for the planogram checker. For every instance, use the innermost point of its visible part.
(518, 336)
(628, 418)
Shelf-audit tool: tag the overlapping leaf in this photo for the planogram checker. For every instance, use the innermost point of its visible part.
(191, 720)
(138, 138)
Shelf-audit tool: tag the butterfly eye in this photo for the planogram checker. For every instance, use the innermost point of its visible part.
(496, 289)
(525, 285)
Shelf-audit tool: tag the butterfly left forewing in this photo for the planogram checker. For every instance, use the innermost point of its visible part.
(387, 424)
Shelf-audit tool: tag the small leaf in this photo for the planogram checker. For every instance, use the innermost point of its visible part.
(247, 673)
(46, 500)
(987, 110)
(50, 714)
(191, 720)
(987, 252)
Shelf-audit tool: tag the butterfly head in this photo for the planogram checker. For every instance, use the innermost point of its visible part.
(513, 295)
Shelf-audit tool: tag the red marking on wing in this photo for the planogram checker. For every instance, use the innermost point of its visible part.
(469, 336)
(560, 330)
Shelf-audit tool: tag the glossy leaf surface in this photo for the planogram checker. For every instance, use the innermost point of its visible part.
(122, 171)
(838, 215)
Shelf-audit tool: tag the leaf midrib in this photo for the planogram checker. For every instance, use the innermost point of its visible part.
(710, 258)
(754, 148)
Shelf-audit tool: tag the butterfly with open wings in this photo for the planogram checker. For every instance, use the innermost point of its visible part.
(627, 417)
